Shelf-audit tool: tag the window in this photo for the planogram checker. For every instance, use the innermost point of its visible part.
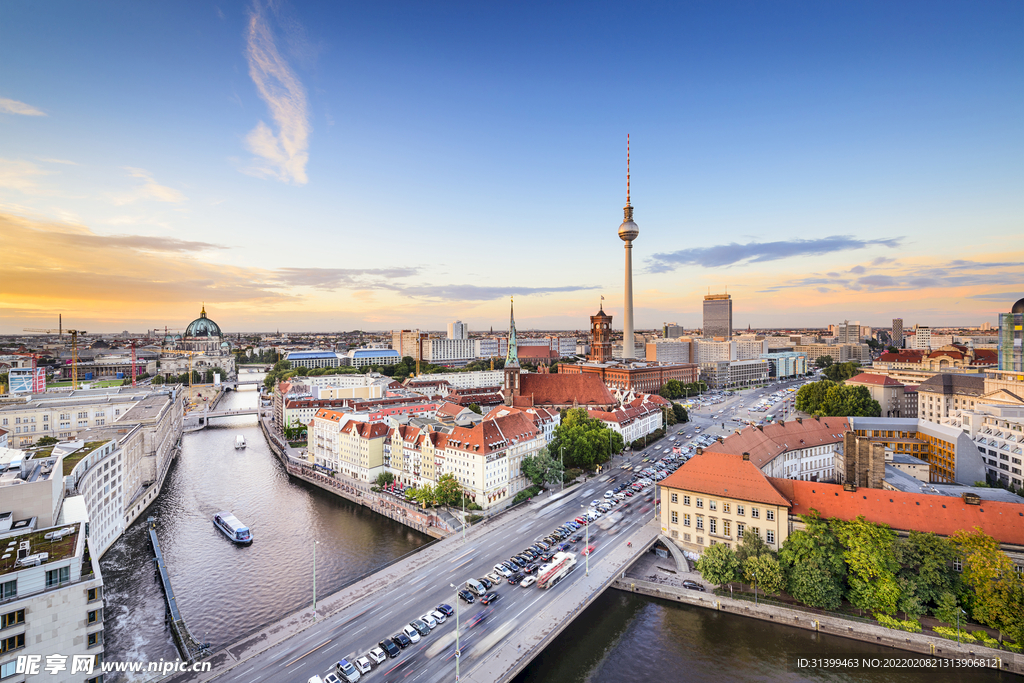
(739, 531)
(12, 618)
(739, 509)
(686, 519)
(755, 513)
(9, 589)
(95, 639)
(12, 643)
(686, 500)
(769, 515)
(726, 507)
(55, 577)
(700, 502)
(726, 524)
(712, 504)
(958, 565)
(770, 537)
(675, 517)
(94, 616)
(675, 534)
(675, 497)
(700, 522)
(713, 525)
(8, 668)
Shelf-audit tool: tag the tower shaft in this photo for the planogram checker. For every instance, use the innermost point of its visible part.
(628, 346)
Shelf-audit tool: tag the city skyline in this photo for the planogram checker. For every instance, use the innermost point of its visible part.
(842, 162)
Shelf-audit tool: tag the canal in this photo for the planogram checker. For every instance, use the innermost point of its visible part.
(225, 591)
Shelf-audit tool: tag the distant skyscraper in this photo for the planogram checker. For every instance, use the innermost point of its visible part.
(628, 231)
(718, 316)
(897, 332)
(458, 330)
(1011, 337)
(671, 330)
(848, 332)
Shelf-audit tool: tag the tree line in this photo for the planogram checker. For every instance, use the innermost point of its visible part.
(877, 571)
(830, 399)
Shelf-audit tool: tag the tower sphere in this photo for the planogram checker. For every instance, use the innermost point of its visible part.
(628, 230)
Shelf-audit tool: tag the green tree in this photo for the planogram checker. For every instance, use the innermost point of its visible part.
(927, 560)
(384, 479)
(995, 589)
(448, 490)
(813, 562)
(823, 361)
(752, 546)
(542, 468)
(672, 389)
(159, 379)
(871, 563)
(670, 416)
(47, 441)
(475, 407)
(680, 413)
(718, 565)
(425, 495)
(766, 572)
(282, 365)
(946, 608)
(829, 399)
(584, 442)
(841, 371)
(892, 349)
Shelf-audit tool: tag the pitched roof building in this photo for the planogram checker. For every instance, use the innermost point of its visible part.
(804, 448)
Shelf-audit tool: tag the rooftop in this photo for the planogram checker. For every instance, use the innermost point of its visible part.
(766, 443)
(727, 475)
(57, 550)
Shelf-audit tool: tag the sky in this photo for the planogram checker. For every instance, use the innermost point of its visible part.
(325, 166)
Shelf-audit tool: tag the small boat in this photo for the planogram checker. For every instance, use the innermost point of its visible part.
(239, 441)
(232, 528)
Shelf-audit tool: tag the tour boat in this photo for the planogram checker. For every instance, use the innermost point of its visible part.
(232, 528)
(239, 441)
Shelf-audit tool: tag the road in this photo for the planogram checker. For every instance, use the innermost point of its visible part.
(356, 629)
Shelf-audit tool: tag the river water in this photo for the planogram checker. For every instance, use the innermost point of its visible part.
(225, 591)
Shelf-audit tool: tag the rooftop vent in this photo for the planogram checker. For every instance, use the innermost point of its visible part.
(848, 486)
(972, 499)
(746, 456)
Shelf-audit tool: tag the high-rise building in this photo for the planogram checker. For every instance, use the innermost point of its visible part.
(848, 332)
(1011, 329)
(458, 330)
(897, 332)
(922, 337)
(717, 316)
(408, 343)
(628, 231)
(671, 330)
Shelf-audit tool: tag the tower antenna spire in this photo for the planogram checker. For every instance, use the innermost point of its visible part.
(627, 169)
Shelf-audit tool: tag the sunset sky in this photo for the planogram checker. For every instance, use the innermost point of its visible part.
(333, 166)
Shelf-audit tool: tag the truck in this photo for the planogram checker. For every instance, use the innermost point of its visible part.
(560, 566)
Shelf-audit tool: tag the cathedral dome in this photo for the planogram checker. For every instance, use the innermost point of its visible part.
(202, 327)
(1018, 307)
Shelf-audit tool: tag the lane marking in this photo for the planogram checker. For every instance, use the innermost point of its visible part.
(309, 653)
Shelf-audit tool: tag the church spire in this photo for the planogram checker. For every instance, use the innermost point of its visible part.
(512, 357)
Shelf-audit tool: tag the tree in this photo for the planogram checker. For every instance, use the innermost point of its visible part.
(159, 379)
(946, 608)
(823, 361)
(542, 468)
(680, 413)
(765, 572)
(995, 589)
(425, 495)
(47, 441)
(282, 365)
(584, 441)
(892, 349)
(926, 560)
(718, 565)
(475, 407)
(448, 490)
(812, 560)
(871, 562)
(752, 546)
(384, 479)
(672, 389)
(829, 399)
(842, 371)
(670, 416)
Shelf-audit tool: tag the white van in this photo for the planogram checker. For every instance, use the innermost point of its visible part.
(476, 587)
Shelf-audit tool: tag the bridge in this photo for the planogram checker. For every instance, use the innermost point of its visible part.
(496, 642)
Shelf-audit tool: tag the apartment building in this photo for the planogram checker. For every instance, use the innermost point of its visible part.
(450, 352)
(668, 351)
(951, 453)
(998, 432)
(316, 359)
(352, 447)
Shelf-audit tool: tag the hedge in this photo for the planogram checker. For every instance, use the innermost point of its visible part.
(908, 626)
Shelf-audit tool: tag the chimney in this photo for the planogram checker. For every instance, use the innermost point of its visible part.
(782, 423)
(721, 440)
(848, 486)
(799, 420)
(746, 456)
(972, 499)
(700, 451)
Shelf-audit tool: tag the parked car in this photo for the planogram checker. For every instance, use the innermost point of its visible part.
(488, 598)
(495, 577)
(390, 647)
(378, 655)
(445, 609)
(401, 640)
(485, 581)
(363, 665)
(466, 596)
(421, 626)
(439, 616)
(528, 581)
(515, 578)
(412, 633)
(693, 585)
(503, 570)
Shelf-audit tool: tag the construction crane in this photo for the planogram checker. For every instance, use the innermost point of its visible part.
(74, 350)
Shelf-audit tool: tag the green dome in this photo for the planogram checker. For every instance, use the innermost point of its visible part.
(202, 327)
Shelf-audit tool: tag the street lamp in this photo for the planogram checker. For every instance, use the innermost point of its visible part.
(315, 544)
(586, 549)
(457, 653)
(561, 460)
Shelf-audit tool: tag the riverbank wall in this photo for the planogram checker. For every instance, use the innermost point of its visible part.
(358, 492)
(919, 643)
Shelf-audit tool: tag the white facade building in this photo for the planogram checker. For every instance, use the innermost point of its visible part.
(458, 330)
(445, 351)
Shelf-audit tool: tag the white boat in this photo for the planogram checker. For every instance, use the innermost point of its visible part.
(239, 441)
(232, 528)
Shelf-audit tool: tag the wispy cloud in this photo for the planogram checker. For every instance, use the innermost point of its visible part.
(956, 273)
(15, 107)
(65, 162)
(334, 278)
(759, 252)
(18, 174)
(282, 154)
(478, 293)
(150, 189)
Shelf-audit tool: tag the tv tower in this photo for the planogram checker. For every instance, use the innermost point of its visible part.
(628, 232)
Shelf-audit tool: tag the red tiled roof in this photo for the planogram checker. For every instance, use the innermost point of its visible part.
(903, 356)
(943, 515)
(877, 380)
(558, 389)
(366, 430)
(765, 443)
(724, 474)
(536, 353)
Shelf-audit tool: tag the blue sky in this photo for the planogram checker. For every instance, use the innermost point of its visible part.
(339, 166)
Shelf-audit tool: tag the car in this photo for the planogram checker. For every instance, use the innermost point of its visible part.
(530, 568)
(439, 616)
(347, 671)
(595, 502)
(502, 570)
(363, 664)
(378, 655)
(412, 633)
(445, 609)
(328, 678)
(608, 494)
(495, 577)
(488, 598)
(588, 550)
(421, 626)
(577, 538)
(511, 566)
(516, 578)
(693, 585)
(486, 582)
(401, 640)
(390, 647)
(528, 581)
(466, 596)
